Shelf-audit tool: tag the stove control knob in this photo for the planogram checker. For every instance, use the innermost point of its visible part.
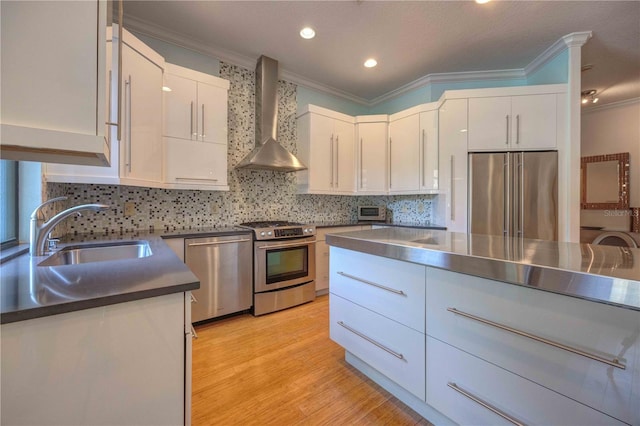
(262, 234)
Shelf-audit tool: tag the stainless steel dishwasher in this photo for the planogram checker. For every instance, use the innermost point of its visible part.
(224, 266)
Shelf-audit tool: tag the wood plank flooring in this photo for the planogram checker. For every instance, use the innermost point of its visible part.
(282, 369)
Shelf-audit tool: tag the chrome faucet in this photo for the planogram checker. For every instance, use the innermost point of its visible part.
(40, 227)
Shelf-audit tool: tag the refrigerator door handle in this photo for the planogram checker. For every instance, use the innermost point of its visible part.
(507, 195)
(521, 193)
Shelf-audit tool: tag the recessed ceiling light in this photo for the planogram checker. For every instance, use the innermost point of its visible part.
(370, 63)
(482, 1)
(307, 33)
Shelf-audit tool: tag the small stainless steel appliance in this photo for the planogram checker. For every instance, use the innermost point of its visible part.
(284, 269)
(372, 213)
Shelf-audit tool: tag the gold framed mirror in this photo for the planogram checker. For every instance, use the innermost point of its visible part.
(605, 182)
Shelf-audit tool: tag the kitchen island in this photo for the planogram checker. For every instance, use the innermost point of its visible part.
(474, 329)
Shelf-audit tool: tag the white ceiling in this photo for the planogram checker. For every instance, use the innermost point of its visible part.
(410, 39)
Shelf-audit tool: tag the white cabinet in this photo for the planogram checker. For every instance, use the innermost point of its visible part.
(371, 140)
(118, 364)
(195, 105)
(322, 253)
(413, 150)
(53, 75)
(452, 121)
(593, 328)
(502, 123)
(137, 159)
(195, 129)
(326, 144)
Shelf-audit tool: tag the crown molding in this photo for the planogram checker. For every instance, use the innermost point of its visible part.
(152, 30)
(611, 105)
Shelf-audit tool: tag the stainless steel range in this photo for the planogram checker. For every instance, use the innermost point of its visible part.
(284, 270)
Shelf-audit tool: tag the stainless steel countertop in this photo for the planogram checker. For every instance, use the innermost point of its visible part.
(602, 274)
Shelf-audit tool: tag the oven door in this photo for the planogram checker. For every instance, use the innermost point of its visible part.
(284, 263)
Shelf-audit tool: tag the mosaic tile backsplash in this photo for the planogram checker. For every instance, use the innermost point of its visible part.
(253, 195)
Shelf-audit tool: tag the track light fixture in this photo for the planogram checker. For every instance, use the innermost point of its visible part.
(589, 96)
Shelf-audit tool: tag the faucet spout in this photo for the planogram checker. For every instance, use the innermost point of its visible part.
(40, 229)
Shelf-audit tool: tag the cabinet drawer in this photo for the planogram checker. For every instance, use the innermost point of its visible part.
(391, 348)
(605, 331)
(517, 398)
(389, 287)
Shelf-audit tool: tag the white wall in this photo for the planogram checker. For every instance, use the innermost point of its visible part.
(611, 129)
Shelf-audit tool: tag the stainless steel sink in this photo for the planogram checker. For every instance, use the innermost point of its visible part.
(87, 253)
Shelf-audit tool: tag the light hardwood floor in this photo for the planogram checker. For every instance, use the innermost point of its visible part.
(282, 369)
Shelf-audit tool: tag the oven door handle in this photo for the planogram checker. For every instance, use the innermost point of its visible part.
(269, 247)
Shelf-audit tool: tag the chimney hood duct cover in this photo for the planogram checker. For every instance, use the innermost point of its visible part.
(268, 153)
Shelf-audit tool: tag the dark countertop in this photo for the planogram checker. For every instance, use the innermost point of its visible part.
(602, 274)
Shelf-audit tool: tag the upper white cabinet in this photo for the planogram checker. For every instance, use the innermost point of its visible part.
(527, 122)
(53, 76)
(195, 129)
(452, 121)
(404, 154)
(371, 140)
(195, 105)
(137, 158)
(326, 144)
(413, 150)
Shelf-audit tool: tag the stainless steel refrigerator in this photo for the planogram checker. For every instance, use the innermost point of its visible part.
(514, 194)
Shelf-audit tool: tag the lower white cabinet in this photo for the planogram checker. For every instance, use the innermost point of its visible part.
(471, 391)
(322, 253)
(393, 349)
(116, 364)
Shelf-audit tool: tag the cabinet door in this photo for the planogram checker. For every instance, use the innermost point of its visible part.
(142, 150)
(179, 107)
(404, 154)
(321, 158)
(322, 265)
(534, 122)
(452, 119)
(344, 164)
(429, 150)
(192, 163)
(489, 123)
(52, 78)
(372, 152)
(212, 113)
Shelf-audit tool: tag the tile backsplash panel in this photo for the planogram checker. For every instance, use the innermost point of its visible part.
(253, 195)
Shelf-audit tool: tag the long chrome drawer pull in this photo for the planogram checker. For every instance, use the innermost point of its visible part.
(370, 340)
(614, 363)
(484, 404)
(392, 290)
(213, 243)
(198, 179)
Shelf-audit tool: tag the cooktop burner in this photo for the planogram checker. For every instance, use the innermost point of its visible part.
(277, 229)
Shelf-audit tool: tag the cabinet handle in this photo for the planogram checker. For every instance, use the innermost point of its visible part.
(331, 153)
(507, 126)
(203, 135)
(424, 153)
(129, 105)
(484, 404)
(198, 179)
(193, 298)
(370, 340)
(518, 129)
(120, 47)
(453, 187)
(214, 243)
(109, 121)
(390, 164)
(191, 121)
(338, 161)
(361, 184)
(614, 363)
(193, 332)
(392, 290)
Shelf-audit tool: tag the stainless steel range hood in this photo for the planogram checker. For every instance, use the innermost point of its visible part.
(268, 153)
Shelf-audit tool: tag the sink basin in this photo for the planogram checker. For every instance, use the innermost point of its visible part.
(88, 253)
